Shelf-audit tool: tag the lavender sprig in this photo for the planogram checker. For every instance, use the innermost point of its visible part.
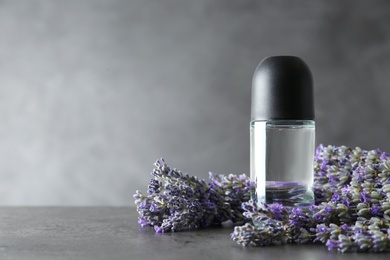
(176, 201)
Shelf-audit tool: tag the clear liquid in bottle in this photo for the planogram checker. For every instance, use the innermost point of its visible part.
(282, 161)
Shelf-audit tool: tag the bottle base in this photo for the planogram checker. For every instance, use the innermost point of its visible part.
(295, 194)
(292, 194)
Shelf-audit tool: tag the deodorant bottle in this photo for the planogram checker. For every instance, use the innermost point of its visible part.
(282, 132)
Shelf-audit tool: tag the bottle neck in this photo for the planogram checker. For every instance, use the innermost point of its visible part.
(287, 122)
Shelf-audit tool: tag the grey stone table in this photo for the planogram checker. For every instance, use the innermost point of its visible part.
(113, 233)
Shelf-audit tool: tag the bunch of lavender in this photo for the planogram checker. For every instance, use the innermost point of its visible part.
(352, 211)
(176, 201)
(352, 192)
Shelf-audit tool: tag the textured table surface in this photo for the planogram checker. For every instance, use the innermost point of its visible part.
(113, 233)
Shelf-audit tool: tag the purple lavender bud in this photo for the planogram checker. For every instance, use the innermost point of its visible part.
(158, 229)
(278, 211)
(332, 244)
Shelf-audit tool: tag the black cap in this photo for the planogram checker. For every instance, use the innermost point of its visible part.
(282, 89)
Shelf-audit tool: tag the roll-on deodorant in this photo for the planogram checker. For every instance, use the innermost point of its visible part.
(282, 132)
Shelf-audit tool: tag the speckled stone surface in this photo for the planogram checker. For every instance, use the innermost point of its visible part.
(113, 233)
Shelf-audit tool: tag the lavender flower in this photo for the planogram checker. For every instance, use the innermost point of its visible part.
(301, 218)
(332, 244)
(271, 233)
(342, 244)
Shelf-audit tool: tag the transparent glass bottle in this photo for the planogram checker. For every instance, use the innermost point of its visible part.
(282, 161)
(282, 132)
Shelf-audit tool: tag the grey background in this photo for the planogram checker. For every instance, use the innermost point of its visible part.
(93, 92)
